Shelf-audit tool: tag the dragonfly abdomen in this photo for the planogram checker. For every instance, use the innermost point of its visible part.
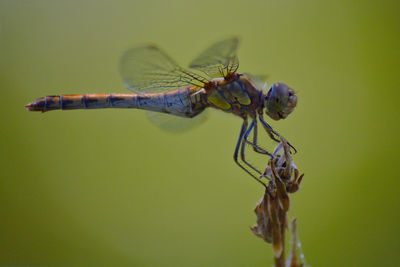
(84, 101)
(182, 102)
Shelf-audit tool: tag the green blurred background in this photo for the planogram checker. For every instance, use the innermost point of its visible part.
(107, 187)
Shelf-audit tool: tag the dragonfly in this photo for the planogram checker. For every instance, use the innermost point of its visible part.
(162, 86)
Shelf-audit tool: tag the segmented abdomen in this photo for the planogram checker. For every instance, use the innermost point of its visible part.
(182, 102)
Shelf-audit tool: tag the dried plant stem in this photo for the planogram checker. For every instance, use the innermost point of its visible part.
(280, 261)
(272, 210)
(293, 259)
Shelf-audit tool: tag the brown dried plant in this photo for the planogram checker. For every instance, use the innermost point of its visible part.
(271, 211)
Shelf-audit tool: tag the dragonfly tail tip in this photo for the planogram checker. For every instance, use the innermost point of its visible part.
(29, 106)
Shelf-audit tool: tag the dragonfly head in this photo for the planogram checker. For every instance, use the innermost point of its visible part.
(280, 101)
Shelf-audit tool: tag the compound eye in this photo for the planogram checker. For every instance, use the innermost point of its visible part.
(290, 94)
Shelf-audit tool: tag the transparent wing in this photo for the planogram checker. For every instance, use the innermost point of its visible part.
(148, 69)
(218, 60)
(260, 81)
(176, 124)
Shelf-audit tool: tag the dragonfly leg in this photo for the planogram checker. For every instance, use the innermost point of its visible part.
(243, 147)
(240, 143)
(256, 148)
(274, 135)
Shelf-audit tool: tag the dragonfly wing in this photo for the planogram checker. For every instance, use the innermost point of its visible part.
(176, 124)
(260, 81)
(218, 60)
(148, 69)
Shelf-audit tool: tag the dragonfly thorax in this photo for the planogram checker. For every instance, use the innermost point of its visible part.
(237, 95)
